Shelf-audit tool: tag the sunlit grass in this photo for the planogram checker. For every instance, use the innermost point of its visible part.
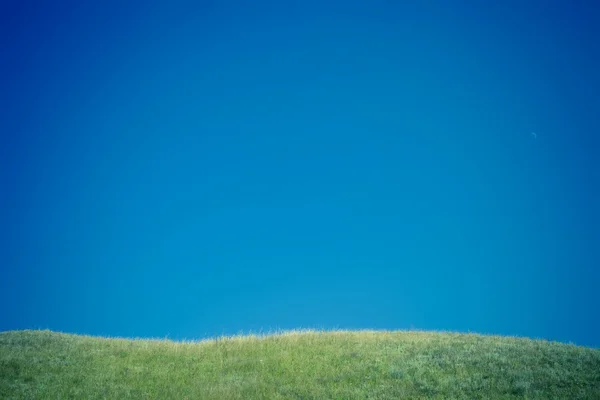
(296, 365)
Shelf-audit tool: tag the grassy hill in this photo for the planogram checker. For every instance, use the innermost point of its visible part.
(296, 365)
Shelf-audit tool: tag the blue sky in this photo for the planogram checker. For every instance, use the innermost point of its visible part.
(194, 170)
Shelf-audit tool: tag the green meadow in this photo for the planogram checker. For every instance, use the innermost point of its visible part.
(36, 364)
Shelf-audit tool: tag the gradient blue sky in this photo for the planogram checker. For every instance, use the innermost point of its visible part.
(194, 170)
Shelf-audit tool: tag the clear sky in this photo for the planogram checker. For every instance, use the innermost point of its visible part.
(190, 170)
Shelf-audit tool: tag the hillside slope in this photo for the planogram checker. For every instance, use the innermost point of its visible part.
(296, 365)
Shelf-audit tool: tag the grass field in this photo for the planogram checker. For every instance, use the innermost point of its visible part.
(296, 365)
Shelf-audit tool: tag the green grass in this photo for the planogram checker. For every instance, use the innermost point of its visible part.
(296, 365)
